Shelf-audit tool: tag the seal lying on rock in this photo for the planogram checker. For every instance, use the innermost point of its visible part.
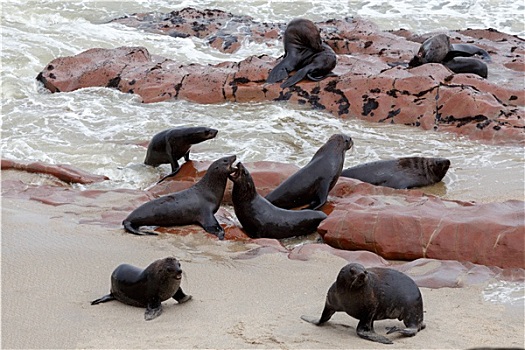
(311, 184)
(170, 145)
(374, 294)
(406, 172)
(457, 57)
(305, 53)
(195, 205)
(261, 219)
(147, 288)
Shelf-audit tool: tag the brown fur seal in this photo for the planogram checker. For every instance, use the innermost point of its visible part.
(170, 145)
(406, 172)
(261, 219)
(374, 294)
(195, 205)
(305, 53)
(311, 184)
(147, 287)
(456, 57)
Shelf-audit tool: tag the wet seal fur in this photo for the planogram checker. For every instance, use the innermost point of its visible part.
(374, 294)
(147, 287)
(195, 205)
(457, 57)
(261, 219)
(168, 146)
(305, 53)
(311, 184)
(400, 173)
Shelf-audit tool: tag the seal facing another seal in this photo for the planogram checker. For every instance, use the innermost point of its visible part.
(311, 184)
(374, 294)
(147, 287)
(261, 219)
(195, 205)
(170, 145)
(398, 173)
(305, 53)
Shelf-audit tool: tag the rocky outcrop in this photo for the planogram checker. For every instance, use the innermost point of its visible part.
(367, 87)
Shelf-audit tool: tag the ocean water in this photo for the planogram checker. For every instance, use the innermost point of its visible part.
(99, 129)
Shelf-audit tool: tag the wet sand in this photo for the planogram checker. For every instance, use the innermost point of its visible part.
(52, 267)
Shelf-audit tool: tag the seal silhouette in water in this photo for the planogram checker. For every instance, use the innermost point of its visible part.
(170, 145)
(311, 184)
(260, 218)
(305, 53)
(195, 205)
(374, 294)
(147, 287)
(405, 172)
(457, 57)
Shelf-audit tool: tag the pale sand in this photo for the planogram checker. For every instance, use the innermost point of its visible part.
(52, 267)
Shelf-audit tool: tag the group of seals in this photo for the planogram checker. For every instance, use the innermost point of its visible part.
(374, 294)
(305, 53)
(400, 173)
(147, 287)
(457, 57)
(195, 205)
(168, 146)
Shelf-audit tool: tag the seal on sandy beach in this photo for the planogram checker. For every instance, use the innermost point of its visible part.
(305, 53)
(261, 219)
(147, 287)
(457, 57)
(374, 294)
(405, 172)
(311, 184)
(170, 145)
(195, 205)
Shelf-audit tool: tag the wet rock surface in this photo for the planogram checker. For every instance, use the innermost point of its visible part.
(366, 86)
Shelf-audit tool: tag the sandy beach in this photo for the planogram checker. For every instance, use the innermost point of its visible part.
(52, 267)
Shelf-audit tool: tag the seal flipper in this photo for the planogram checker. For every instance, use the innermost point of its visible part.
(104, 299)
(153, 310)
(173, 173)
(181, 297)
(365, 329)
(128, 226)
(211, 225)
(409, 332)
(297, 77)
(328, 312)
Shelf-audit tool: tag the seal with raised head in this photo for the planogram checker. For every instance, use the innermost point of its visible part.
(168, 146)
(399, 173)
(147, 287)
(457, 57)
(261, 219)
(195, 205)
(374, 294)
(305, 53)
(310, 185)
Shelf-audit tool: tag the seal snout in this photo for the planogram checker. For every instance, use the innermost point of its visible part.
(236, 171)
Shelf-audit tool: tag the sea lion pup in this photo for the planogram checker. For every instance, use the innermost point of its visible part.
(311, 184)
(399, 173)
(147, 288)
(456, 57)
(195, 205)
(374, 294)
(170, 145)
(261, 219)
(305, 53)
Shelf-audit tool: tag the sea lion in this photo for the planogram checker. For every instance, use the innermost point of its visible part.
(311, 184)
(405, 172)
(147, 287)
(456, 57)
(374, 294)
(305, 53)
(261, 219)
(170, 145)
(195, 205)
